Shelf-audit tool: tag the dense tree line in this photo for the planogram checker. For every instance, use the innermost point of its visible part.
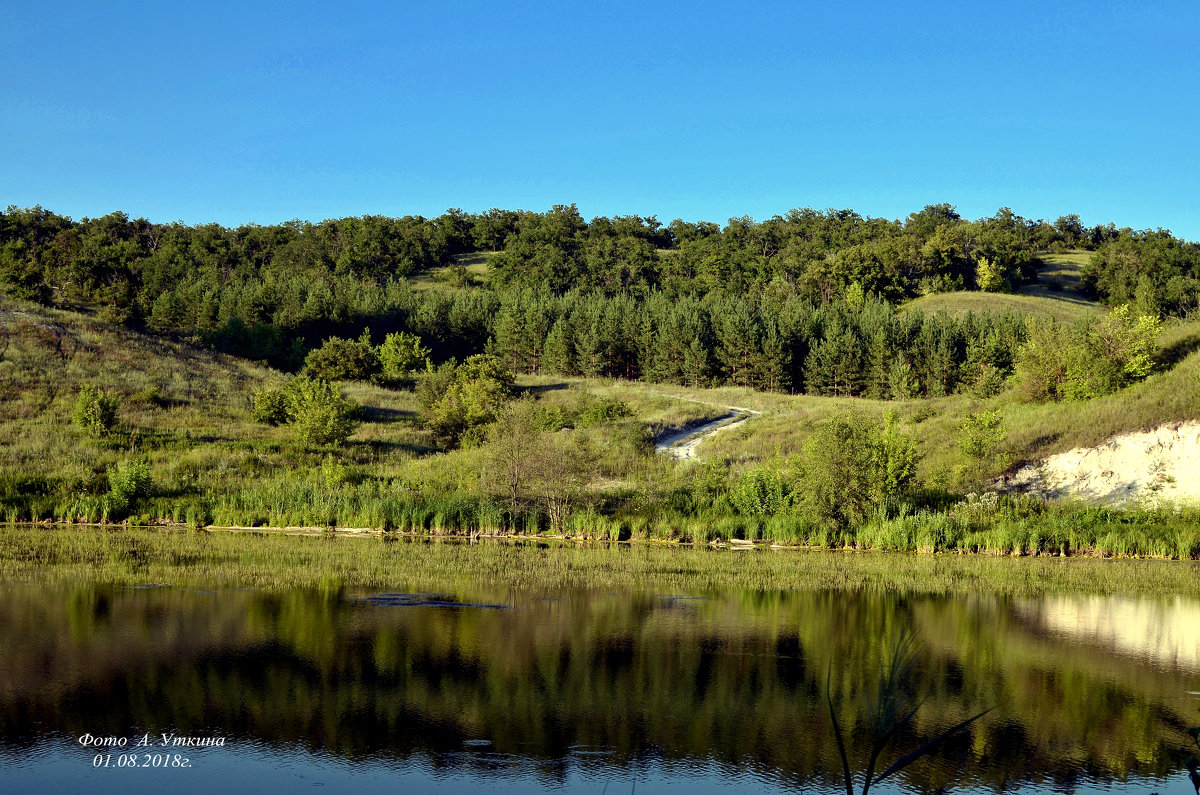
(799, 302)
(1156, 272)
(777, 343)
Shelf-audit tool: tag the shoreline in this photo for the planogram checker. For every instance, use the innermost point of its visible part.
(583, 540)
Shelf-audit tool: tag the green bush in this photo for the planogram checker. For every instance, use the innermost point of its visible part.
(851, 464)
(401, 354)
(95, 410)
(602, 411)
(761, 492)
(458, 401)
(270, 406)
(127, 483)
(344, 360)
(318, 412)
(979, 436)
(1086, 360)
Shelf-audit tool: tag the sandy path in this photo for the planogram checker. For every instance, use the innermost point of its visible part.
(682, 444)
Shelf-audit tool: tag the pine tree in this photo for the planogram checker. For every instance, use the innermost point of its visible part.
(558, 355)
(739, 347)
(590, 353)
(879, 366)
(834, 367)
(697, 368)
(902, 382)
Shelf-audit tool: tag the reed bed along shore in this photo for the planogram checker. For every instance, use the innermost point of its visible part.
(989, 525)
(127, 556)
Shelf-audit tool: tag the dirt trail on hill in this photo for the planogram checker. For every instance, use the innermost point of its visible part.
(682, 444)
(1158, 466)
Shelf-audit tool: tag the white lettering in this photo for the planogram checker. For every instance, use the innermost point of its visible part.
(88, 739)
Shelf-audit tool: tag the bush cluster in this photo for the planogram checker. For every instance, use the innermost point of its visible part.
(1091, 358)
(315, 409)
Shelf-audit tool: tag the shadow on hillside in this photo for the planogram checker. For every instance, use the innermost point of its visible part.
(1045, 440)
(386, 416)
(1175, 353)
(386, 446)
(540, 388)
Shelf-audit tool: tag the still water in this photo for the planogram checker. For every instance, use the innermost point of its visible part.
(583, 691)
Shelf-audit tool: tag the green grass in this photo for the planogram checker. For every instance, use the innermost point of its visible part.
(1057, 293)
(275, 560)
(467, 270)
(1027, 302)
(1060, 277)
(186, 413)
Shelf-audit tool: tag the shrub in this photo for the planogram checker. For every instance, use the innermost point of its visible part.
(344, 360)
(457, 402)
(850, 464)
(318, 412)
(602, 411)
(979, 435)
(270, 406)
(128, 483)
(989, 276)
(1089, 359)
(95, 410)
(401, 354)
(761, 492)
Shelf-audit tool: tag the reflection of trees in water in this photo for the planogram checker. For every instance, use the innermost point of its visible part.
(736, 679)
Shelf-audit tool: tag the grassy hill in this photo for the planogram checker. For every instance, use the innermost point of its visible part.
(964, 301)
(185, 412)
(1057, 293)
(1035, 430)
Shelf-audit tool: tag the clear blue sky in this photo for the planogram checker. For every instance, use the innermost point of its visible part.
(262, 112)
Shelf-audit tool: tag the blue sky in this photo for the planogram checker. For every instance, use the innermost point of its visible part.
(265, 112)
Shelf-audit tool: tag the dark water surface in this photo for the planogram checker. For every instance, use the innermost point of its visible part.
(582, 691)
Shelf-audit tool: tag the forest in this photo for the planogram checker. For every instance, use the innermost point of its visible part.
(805, 302)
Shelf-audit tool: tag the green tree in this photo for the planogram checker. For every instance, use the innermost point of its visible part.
(558, 355)
(344, 360)
(95, 410)
(850, 464)
(1089, 359)
(270, 406)
(458, 401)
(989, 276)
(400, 354)
(902, 381)
(979, 436)
(834, 367)
(318, 412)
(527, 468)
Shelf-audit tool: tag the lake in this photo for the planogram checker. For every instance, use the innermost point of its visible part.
(369, 690)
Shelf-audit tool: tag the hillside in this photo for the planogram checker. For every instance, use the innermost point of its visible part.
(1034, 430)
(186, 413)
(1056, 293)
(1039, 304)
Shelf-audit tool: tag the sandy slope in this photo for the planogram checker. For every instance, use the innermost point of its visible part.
(1158, 465)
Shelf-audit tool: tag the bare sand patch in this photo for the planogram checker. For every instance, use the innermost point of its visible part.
(1158, 466)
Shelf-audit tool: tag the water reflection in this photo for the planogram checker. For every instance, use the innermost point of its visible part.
(568, 689)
